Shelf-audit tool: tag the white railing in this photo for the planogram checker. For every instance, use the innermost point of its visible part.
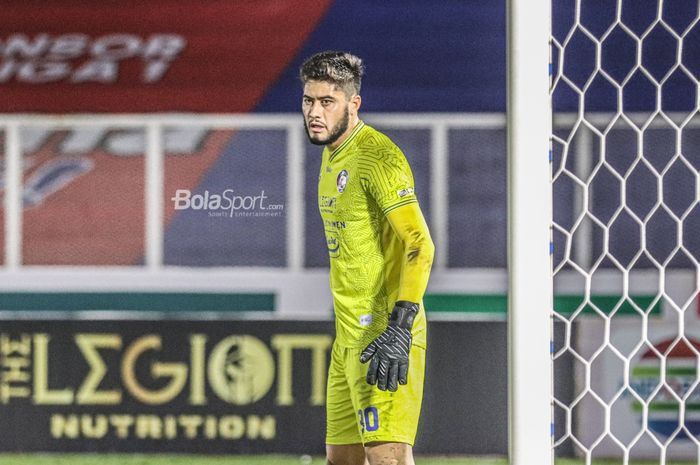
(296, 288)
(438, 124)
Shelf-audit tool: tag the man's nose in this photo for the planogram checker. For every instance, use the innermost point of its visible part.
(314, 109)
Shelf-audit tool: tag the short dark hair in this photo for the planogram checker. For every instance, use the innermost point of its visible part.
(342, 69)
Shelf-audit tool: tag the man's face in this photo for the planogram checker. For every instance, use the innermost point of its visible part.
(326, 112)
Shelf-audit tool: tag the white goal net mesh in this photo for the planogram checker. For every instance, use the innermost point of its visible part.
(626, 229)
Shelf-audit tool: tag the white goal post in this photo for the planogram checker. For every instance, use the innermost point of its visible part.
(529, 217)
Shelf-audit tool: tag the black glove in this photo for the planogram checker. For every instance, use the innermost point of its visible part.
(389, 351)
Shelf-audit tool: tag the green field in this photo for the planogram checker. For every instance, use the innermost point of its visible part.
(165, 459)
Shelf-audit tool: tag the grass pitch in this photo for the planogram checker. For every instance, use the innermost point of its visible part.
(174, 459)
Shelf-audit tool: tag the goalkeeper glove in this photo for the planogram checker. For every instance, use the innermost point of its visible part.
(389, 351)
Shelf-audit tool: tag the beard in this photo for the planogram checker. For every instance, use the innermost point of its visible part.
(335, 133)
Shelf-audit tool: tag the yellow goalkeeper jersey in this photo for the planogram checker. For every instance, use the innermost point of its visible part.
(360, 181)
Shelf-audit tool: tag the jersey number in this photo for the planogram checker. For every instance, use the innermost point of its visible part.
(369, 419)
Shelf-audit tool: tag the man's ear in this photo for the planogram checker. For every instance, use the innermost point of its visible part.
(356, 102)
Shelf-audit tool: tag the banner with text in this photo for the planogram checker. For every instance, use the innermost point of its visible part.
(223, 387)
(168, 55)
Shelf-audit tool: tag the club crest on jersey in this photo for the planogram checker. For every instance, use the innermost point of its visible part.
(342, 181)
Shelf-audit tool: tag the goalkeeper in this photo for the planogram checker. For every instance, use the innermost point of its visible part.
(380, 255)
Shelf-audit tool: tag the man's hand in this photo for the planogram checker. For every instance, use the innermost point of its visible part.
(389, 351)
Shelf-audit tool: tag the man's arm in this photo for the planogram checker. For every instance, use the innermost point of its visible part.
(410, 226)
(389, 352)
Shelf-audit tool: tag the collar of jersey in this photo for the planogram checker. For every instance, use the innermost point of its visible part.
(352, 135)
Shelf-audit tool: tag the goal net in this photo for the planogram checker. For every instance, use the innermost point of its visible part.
(626, 229)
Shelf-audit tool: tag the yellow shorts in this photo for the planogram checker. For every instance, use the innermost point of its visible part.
(357, 412)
